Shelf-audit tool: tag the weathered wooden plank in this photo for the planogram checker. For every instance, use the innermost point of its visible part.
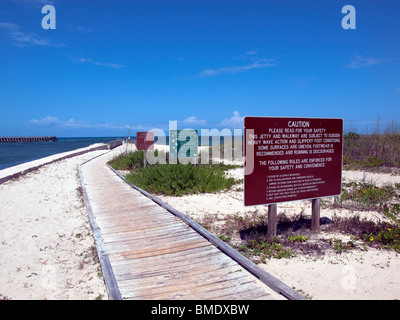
(272, 282)
(253, 294)
(109, 277)
(177, 269)
(198, 275)
(154, 254)
(198, 285)
(161, 233)
(138, 230)
(138, 253)
(153, 244)
(236, 284)
(148, 244)
(175, 257)
(112, 229)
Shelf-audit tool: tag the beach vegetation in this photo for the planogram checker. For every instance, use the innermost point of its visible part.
(388, 238)
(180, 179)
(382, 234)
(387, 235)
(260, 250)
(365, 195)
(225, 238)
(297, 238)
(174, 179)
(340, 246)
(377, 150)
(248, 234)
(131, 161)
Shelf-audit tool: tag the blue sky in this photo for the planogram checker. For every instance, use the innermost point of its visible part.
(205, 64)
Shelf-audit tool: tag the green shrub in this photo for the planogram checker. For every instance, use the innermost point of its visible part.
(180, 179)
(130, 161)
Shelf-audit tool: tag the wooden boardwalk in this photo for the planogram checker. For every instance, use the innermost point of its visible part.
(149, 253)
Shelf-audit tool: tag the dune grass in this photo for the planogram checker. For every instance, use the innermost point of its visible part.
(376, 151)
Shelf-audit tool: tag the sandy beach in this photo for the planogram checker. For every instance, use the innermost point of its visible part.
(46, 245)
(48, 252)
(354, 274)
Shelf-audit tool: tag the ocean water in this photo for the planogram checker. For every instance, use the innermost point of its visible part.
(12, 154)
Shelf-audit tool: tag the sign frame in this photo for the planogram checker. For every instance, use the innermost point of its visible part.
(309, 175)
(145, 140)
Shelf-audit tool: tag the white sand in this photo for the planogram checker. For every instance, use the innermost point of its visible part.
(46, 244)
(354, 274)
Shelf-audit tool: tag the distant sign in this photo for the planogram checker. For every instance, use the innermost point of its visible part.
(183, 143)
(145, 140)
(290, 159)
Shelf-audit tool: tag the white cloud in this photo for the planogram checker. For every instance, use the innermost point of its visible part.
(254, 61)
(21, 39)
(79, 29)
(194, 121)
(261, 63)
(48, 121)
(104, 64)
(9, 26)
(252, 52)
(236, 121)
(360, 61)
(51, 121)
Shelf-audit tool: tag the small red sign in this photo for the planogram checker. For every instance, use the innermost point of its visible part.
(290, 159)
(145, 140)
